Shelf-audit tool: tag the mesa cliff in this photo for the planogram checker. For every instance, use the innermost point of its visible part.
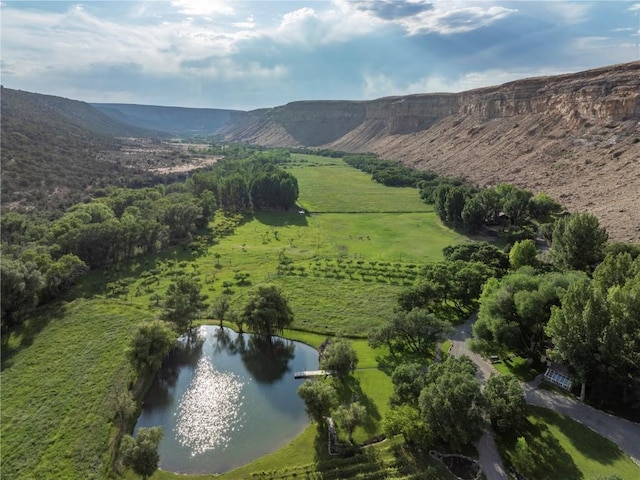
(575, 136)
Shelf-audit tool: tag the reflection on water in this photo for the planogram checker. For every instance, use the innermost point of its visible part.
(225, 399)
(210, 410)
(267, 359)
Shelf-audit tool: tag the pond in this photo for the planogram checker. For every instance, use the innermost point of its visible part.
(226, 399)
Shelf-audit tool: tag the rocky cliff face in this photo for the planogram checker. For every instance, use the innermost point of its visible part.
(575, 136)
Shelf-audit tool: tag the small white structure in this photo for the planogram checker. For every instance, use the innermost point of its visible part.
(312, 373)
(557, 374)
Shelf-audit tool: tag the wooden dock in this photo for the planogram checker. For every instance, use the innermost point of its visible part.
(312, 373)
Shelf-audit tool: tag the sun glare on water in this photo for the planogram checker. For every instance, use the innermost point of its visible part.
(210, 410)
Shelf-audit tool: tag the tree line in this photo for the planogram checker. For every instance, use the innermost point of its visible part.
(387, 172)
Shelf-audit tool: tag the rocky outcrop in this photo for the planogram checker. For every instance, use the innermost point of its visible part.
(574, 136)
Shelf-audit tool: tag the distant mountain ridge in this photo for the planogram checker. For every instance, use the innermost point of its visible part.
(51, 149)
(172, 120)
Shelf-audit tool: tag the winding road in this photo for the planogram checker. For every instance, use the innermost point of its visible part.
(622, 432)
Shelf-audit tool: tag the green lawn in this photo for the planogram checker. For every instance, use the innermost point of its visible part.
(399, 237)
(517, 366)
(563, 448)
(330, 185)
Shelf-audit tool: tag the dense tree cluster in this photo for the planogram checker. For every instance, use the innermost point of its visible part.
(339, 358)
(40, 258)
(458, 204)
(386, 172)
(319, 398)
(515, 310)
(448, 289)
(415, 332)
(445, 402)
(578, 241)
(183, 302)
(141, 453)
(595, 330)
(256, 182)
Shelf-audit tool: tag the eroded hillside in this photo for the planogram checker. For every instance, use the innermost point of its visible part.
(576, 137)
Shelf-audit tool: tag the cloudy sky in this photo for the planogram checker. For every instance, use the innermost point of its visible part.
(251, 54)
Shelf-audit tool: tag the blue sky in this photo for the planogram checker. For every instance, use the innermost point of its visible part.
(246, 55)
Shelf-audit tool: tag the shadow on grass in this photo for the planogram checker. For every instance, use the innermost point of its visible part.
(387, 363)
(22, 336)
(519, 368)
(412, 459)
(350, 391)
(548, 458)
(281, 219)
(588, 443)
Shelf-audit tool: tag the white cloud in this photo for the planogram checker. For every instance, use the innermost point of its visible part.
(634, 8)
(203, 8)
(35, 41)
(448, 19)
(310, 27)
(570, 12)
(443, 17)
(248, 24)
(376, 86)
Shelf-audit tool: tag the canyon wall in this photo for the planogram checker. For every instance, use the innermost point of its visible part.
(575, 136)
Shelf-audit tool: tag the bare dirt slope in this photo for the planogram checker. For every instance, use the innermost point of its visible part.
(575, 137)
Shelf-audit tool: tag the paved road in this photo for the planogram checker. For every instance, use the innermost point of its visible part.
(489, 457)
(622, 432)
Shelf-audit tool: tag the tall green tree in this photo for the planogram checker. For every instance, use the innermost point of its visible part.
(505, 402)
(542, 207)
(451, 403)
(141, 453)
(514, 311)
(21, 285)
(339, 358)
(483, 252)
(408, 381)
(524, 253)
(267, 312)
(414, 332)
(220, 307)
(149, 346)
(406, 420)
(515, 202)
(578, 241)
(183, 301)
(349, 417)
(319, 397)
(576, 328)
